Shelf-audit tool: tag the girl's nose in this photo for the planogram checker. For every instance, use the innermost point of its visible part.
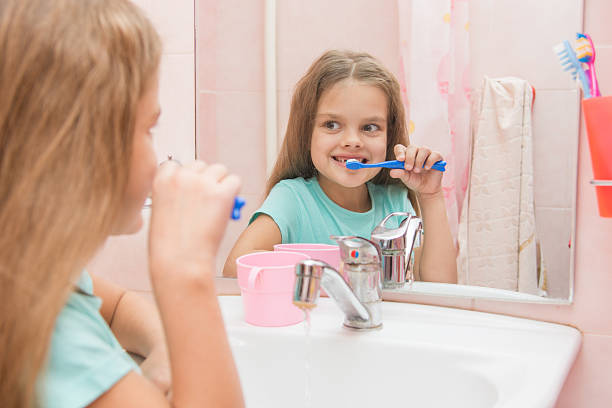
(351, 138)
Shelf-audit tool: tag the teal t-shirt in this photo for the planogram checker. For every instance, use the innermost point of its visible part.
(85, 359)
(305, 214)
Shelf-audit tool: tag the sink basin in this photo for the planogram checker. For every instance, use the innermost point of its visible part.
(424, 356)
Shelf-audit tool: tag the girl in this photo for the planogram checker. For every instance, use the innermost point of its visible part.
(348, 106)
(79, 98)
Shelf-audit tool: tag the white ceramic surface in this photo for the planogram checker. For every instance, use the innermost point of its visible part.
(424, 356)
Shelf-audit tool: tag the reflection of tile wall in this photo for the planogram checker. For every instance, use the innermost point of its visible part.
(555, 147)
(124, 259)
(230, 92)
(510, 38)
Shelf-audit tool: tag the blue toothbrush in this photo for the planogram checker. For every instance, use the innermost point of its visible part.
(569, 62)
(353, 164)
(239, 202)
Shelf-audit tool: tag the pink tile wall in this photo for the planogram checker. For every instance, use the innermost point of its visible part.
(230, 91)
(306, 29)
(510, 38)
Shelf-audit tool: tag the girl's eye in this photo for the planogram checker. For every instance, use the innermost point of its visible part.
(371, 128)
(331, 125)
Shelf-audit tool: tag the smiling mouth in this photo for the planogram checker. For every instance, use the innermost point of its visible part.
(344, 159)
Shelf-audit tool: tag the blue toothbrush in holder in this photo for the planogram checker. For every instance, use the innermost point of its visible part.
(353, 164)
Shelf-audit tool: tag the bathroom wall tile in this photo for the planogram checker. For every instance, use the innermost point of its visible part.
(588, 383)
(603, 66)
(306, 29)
(206, 127)
(235, 228)
(597, 21)
(230, 45)
(510, 38)
(175, 132)
(593, 276)
(554, 226)
(555, 124)
(123, 259)
(175, 23)
(237, 127)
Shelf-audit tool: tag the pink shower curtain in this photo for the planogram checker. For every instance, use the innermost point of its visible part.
(435, 79)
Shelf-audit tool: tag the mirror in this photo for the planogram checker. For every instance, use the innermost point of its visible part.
(248, 60)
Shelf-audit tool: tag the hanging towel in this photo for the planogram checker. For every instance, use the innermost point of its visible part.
(497, 232)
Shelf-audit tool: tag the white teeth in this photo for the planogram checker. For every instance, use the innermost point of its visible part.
(345, 160)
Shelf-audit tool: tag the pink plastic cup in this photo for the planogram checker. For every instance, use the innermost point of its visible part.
(323, 252)
(266, 282)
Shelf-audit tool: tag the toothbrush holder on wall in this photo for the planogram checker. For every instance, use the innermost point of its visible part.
(598, 120)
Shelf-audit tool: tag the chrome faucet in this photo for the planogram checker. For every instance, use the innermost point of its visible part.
(396, 245)
(356, 288)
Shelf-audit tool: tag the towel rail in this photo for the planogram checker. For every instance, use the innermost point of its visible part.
(602, 183)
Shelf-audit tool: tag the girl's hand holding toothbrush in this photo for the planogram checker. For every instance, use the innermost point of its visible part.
(417, 174)
(189, 214)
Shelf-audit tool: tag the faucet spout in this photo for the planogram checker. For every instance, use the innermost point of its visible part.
(311, 275)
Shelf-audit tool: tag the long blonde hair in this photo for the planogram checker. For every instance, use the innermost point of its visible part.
(71, 75)
(333, 66)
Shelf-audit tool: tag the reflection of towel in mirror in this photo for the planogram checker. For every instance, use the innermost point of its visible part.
(497, 232)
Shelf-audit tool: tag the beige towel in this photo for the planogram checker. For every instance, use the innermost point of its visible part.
(497, 232)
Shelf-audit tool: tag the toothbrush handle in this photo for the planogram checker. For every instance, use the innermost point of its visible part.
(391, 164)
(593, 78)
(440, 165)
(591, 70)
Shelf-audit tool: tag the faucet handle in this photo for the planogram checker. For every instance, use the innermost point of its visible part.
(357, 250)
(413, 236)
(413, 233)
(392, 238)
(381, 226)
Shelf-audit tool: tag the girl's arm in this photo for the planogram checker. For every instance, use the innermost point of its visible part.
(437, 260)
(261, 235)
(199, 351)
(136, 323)
(191, 207)
(438, 254)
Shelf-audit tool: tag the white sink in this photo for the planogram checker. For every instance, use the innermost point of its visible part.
(424, 356)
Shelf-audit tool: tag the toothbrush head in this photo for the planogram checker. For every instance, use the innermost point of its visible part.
(584, 49)
(568, 59)
(353, 164)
